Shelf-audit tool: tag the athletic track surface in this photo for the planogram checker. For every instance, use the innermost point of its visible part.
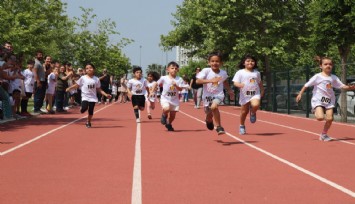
(56, 159)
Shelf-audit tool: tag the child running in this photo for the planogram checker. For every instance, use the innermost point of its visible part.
(169, 98)
(89, 85)
(136, 87)
(248, 80)
(213, 80)
(152, 78)
(323, 98)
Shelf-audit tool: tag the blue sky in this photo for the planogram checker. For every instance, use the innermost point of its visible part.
(141, 20)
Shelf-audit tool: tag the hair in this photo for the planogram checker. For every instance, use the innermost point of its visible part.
(155, 75)
(135, 69)
(39, 51)
(30, 62)
(215, 53)
(172, 63)
(16, 91)
(319, 59)
(245, 57)
(93, 66)
(198, 68)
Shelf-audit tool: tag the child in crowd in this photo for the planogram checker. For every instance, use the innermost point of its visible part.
(52, 82)
(152, 78)
(323, 98)
(185, 90)
(169, 98)
(114, 90)
(214, 80)
(28, 87)
(16, 84)
(248, 80)
(14, 98)
(89, 85)
(136, 87)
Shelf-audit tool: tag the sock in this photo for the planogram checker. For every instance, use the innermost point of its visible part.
(136, 113)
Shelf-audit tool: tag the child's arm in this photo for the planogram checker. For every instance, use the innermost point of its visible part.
(177, 87)
(299, 96)
(348, 87)
(228, 88)
(103, 93)
(262, 91)
(205, 81)
(74, 86)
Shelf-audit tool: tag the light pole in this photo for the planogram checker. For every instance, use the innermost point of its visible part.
(140, 55)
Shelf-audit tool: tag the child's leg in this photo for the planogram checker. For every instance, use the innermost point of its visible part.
(319, 113)
(255, 104)
(216, 115)
(91, 106)
(244, 112)
(172, 115)
(148, 106)
(136, 111)
(84, 106)
(328, 120)
(50, 102)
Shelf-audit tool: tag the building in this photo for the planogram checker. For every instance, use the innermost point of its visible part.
(182, 56)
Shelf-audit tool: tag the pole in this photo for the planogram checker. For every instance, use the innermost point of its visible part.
(140, 55)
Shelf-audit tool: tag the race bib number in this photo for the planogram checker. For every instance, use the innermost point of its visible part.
(325, 100)
(171, 94)
(139, 91)
(250, 93)
(209, 99)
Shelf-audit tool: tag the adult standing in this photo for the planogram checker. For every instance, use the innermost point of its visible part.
(40, 85)
(62, 85)
(105, 80)
(196, 89)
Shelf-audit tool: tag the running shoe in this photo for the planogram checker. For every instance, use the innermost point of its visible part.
(149, 116)
(88, 124)
(242, 130)
(138, 120)
(209, 125)
(252, 116)
(220, 130)
(169, 127)
(325, 138)
(163, 119)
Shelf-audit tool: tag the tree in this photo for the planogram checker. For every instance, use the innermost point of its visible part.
(332, 23)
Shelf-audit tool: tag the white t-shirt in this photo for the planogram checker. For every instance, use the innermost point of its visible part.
(29, 80)
(170, 94)
(323, 93)
(52, 82)
(15, 83)
(137, 87)
(212, 90)
(185, 87)
(88, 87)
(152, 91)
(251, 81)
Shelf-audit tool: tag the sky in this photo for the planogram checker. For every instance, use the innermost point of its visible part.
(140, 20)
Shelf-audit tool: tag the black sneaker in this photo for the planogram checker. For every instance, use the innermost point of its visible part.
(169, 127)
(88, 124)
(220, 130)
(209, 125)
(163, 119)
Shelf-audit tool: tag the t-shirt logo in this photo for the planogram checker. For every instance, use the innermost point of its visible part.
(252, 80)
(172, 88)
(215, 83)
(329, 85)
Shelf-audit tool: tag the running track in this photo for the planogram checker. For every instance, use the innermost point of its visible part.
(55, 159)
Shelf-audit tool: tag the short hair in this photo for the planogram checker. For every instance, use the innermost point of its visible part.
(245, 57)
(135, 69)
(172, 63)
(16, 91)
(90, 65)
(215, 53)
(30, 62)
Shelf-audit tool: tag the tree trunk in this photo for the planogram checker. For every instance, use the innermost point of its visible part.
(344, 52)
(268, 82)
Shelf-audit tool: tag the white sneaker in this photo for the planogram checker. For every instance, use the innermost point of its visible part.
(138, 120)
(325, 138)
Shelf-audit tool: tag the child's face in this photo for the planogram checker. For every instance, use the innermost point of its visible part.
(327, 66)
(30, 66)
(215, 63)
(89, 70)
(172, 70)
(150, 78)
(138, 74)
(249, 63)
(16, 95)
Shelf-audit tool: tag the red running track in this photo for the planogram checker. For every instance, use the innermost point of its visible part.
(55, 159)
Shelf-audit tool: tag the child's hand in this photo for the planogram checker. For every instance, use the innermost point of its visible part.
(216, 79)
(67, 89)
(298, 98)
(108, 96)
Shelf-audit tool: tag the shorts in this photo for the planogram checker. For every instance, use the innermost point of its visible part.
(138, 100)
(316, 103)
(166, 105)
(207, 101)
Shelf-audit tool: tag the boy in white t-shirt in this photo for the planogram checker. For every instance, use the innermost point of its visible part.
(28, 84)
(89, 85)
(52, 82)
(137, 87)
(214, 80)
(248, 80)
(169, 98)
(323, 98)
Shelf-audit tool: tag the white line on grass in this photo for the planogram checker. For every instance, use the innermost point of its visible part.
(137, 170)
(292, 128)
(316, 176)
(45, 134)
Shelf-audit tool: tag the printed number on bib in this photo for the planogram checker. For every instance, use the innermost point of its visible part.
(250, 93)
(171, 94)
(139, 91)
(325, 100)
(209, 98)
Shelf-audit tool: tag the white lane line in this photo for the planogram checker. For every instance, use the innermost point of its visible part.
(137, 170)
(292, 128)
(303, 170)
(45, 134)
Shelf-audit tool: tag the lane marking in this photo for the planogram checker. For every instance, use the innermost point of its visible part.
(137, 170)
(292, 128)
(46, 133)
(288, 163)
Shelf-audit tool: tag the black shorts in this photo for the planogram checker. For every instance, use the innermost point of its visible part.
(138, 100)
